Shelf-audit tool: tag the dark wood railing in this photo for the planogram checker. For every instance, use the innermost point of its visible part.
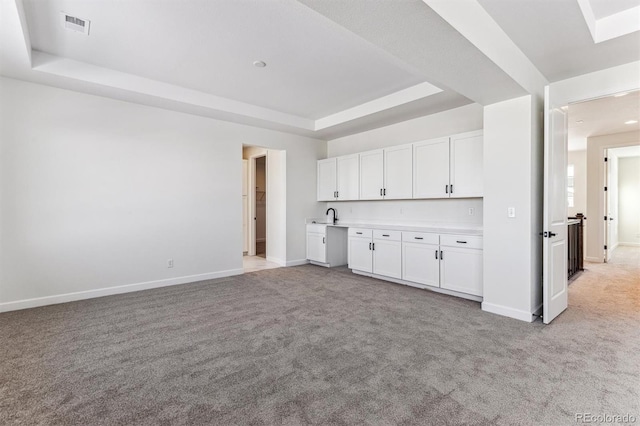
(575, 241)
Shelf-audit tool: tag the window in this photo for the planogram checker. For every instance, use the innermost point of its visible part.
(570, 171)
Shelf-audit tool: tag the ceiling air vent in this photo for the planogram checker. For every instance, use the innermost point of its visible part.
(74, 23)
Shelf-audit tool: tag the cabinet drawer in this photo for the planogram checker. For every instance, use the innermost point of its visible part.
(316, 228)
(360, 232)
(468, 241)
(420, 237)
(381, 234)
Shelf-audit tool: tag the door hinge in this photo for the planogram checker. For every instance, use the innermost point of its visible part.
(606, 159)
(605, 218)
(605, 188)
(605, 247)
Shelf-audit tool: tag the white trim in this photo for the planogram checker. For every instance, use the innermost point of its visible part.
(108, 291)
(296, 262)
(420, 286)
(593, 259)
(276, 260)
(629, 244)
(509, 312)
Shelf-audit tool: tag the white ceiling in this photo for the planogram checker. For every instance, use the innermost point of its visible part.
(556, 38)
(314, 67)
(603, 8)
(602, 117)
(334, 67)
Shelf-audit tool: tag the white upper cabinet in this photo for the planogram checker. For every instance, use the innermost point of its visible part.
(371, 175)
(338, 178)
(431, 168)
(348, 177)
(448, 167)
(466, 174)
(327, 179)
(398, 175)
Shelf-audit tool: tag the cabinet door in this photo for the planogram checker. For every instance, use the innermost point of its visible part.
(327, 174)
(466, 165)
(316, 247)
(360, 254)
(348, 177)
(387, 258)
(420, 263)
(398, 172)
(371, 175)
(461, 270)
(431, 169)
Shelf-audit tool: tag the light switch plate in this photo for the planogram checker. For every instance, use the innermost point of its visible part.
(511, 212)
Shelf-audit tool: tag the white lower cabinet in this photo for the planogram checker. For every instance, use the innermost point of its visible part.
(326, 246)
(387, 253)
(375, 251)
(360, 250)
(450, 262)
(316, 247)
(420, 258)
(461, 264)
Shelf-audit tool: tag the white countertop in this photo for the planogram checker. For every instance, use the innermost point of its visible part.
(439, 228)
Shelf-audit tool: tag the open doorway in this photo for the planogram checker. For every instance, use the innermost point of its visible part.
(260, 205)
(601, 132)
(263, 208)
(622, 203)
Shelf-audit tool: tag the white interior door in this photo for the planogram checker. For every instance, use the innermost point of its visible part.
(554, 246)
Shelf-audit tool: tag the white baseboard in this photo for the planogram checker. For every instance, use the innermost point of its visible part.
(108, 291)
(296, 262)
(277, 260)
(594, 259)
(509, 312)
(629, 244)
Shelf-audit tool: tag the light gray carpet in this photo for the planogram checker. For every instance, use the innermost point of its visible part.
(308, 345)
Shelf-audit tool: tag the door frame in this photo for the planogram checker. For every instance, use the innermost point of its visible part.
(623, 78)
(251, 193)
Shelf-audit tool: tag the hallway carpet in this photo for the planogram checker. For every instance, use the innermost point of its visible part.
(309, 345)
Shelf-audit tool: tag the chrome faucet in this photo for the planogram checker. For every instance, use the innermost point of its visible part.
(335, 215)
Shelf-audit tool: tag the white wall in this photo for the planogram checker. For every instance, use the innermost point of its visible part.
(458, 120)
(629, 200)
(512, 164)
(97, 193)
(579, 161)
(596, 147)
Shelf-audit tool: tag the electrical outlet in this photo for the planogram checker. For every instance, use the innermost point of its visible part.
(170, 263)
(511, 212)
(471, 211)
